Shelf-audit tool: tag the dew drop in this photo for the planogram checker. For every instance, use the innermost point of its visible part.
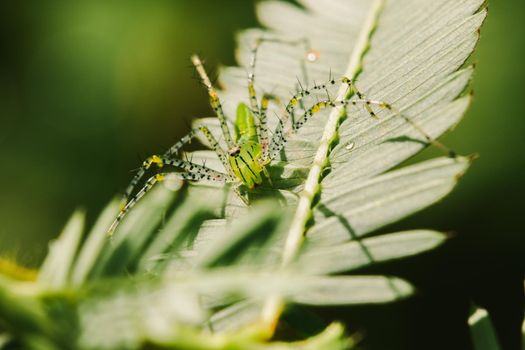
(349, 146)
(312, 55)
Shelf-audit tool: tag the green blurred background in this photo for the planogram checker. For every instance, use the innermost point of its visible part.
(88, 88)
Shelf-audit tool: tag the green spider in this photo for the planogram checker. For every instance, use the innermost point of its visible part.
(251, 151)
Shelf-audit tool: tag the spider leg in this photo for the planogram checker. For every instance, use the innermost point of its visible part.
(367, 103)
(196, 173)
(316, 108)
(279, 138)
(253, 61)
(359, 94)
(214, 100)
(173, 150)
(161, 161)
(303, 93)
(297, 99)
(261, 111)
(200, 172)
(133, 200)
(180, 163)
(216, 148)
(263, 125)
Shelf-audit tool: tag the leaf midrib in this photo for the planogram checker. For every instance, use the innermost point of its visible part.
(273, 306)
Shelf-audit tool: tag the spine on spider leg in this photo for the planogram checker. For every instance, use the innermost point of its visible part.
(214, 100)
(303, 93)
(316, 108)
(279, 138)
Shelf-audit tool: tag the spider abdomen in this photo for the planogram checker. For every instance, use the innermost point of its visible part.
(245, 164)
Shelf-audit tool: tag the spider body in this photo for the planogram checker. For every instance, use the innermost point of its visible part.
(245, 164)
(246, 157)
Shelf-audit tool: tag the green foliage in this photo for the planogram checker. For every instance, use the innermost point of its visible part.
(483, 333)
(196, 269)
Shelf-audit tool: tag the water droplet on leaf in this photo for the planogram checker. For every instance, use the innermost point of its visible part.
(312, 55)
(349, 146)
